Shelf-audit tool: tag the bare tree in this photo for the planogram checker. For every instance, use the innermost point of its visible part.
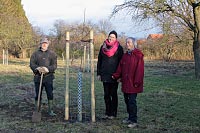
(105, 26)
(183, 12)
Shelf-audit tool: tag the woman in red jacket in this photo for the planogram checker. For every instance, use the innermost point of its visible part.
(131, 73)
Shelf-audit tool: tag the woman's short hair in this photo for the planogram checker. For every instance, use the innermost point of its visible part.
(133, 40)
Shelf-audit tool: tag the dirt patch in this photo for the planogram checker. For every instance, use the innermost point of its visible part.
(22, 102)
(170, 68)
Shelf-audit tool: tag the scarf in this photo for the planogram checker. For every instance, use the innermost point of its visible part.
(130, 51)
(109, 48)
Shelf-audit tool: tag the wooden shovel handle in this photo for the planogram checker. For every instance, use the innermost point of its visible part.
(39, 93)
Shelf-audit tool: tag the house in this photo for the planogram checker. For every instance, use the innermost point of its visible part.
(155, 36)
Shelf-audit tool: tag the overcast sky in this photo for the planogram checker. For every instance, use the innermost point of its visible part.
(43, 13)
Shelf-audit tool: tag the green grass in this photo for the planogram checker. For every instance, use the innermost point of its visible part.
(169, 103)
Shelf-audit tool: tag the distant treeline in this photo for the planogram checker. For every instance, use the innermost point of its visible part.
(20, 38)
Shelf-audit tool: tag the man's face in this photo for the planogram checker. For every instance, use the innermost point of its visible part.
(129, 44)
(112, 38)
(44, 46)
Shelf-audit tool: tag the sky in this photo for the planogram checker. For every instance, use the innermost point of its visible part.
(43, 13)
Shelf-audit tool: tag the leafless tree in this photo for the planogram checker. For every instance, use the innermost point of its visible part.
(183, 12)
(105, 26)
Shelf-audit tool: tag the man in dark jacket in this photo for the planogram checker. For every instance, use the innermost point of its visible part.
(44, 61)
(109, 57)
(131, 73)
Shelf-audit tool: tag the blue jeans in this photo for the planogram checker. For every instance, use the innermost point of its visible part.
(48, 88)
(131, 106)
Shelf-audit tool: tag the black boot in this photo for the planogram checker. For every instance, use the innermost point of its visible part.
(50, 108)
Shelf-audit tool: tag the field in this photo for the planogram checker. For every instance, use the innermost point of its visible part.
(170, 101)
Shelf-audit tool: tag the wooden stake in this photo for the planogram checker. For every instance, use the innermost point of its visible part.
(84, 59)
(67, 78)
(92, 77)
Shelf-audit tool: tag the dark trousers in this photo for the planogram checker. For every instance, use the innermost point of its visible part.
(131, 106)
(48, 88)
(111, 98)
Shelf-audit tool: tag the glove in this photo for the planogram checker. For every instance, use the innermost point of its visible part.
(37, 70)
(44, 70)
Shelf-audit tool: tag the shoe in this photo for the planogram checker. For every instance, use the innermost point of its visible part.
(132, 125)
(111, 117)
(126, 121)
(105, 117)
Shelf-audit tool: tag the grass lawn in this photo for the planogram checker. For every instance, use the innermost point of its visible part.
(170, 102)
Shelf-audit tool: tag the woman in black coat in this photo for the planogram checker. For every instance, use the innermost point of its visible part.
(109, 57)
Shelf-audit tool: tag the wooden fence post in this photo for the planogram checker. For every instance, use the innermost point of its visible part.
(67, 79)
(84, 59)
(92, 77)
(3, 56)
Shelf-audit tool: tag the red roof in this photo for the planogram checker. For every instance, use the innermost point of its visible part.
(155, 36)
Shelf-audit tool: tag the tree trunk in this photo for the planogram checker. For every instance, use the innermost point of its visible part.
(197, 60)
(196, 43)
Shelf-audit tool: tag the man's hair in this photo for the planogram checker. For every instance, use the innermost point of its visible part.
(44, 40)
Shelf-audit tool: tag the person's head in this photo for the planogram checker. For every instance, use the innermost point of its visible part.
(131, 43)
(112, 36)
(44, 44)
